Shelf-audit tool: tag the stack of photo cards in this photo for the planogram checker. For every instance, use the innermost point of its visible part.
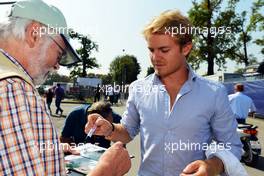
(86, 161)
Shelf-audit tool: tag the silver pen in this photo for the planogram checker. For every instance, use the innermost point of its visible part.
(91, 132)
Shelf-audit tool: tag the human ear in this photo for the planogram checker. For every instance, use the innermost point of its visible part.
(33, 34)
(187, 48)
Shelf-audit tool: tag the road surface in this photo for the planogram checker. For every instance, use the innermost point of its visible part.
(134, 146)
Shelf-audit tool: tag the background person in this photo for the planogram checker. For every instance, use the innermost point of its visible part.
(74, 126)
(241, 104)
(97, 94)
(59, 93)
(49, 96)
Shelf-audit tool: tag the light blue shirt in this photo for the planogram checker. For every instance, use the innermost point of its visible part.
(241, 105)
(200, 113)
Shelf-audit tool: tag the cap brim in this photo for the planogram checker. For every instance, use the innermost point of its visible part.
(71, 56)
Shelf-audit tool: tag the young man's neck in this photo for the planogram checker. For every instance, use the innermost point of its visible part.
(174, 82)
(177, 78)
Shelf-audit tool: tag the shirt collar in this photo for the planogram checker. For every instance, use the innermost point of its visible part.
(14, 61)
(191, 76)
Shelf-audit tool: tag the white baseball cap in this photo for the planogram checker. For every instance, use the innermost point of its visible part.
(50, 16)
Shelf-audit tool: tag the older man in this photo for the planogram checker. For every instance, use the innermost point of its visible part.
(30, 48)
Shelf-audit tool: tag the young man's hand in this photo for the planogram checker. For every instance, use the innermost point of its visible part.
(103, 127)
(210, 167)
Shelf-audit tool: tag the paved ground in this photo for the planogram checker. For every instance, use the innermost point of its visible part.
(134, 146)
(259, 169)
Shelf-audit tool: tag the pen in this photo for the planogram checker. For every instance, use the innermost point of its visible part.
(90, 133)
(131, 156)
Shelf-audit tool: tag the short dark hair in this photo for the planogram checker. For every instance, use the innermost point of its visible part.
(239, 87)
(101, 107)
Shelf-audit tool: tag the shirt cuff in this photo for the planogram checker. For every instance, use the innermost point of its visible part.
(232, 165)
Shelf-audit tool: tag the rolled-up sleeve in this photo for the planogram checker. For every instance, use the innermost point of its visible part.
(131, 118)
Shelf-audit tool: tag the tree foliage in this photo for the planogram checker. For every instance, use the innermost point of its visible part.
(150, 70)
(106, 79)
(87, 62)
(124, 69)
(55, 77)
(257, 21)
(215, 43)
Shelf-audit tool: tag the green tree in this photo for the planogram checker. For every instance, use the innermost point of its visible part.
(91, 75)
(257, 21)
(55, 77)
(240, 54)
(124, 69)
(240, 70)
(243, 40)
(214, 41)
(87, 62)
(106, 79)
(150, 70)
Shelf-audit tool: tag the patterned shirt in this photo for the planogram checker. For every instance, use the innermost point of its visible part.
(29, 142)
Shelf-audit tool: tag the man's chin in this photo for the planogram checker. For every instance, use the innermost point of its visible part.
(41, 79)
(38, 82)
(160, 73)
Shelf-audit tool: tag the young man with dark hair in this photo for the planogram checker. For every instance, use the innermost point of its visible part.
(74, 126)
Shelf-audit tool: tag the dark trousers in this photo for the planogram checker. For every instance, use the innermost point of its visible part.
(49, 103)
(241, 121)
(57, 103)
(97, 97)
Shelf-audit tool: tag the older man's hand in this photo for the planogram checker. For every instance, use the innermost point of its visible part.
(114, 162)
(69, 149)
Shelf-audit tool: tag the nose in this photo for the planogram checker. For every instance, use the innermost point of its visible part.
(155, 55)
(57, 66)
